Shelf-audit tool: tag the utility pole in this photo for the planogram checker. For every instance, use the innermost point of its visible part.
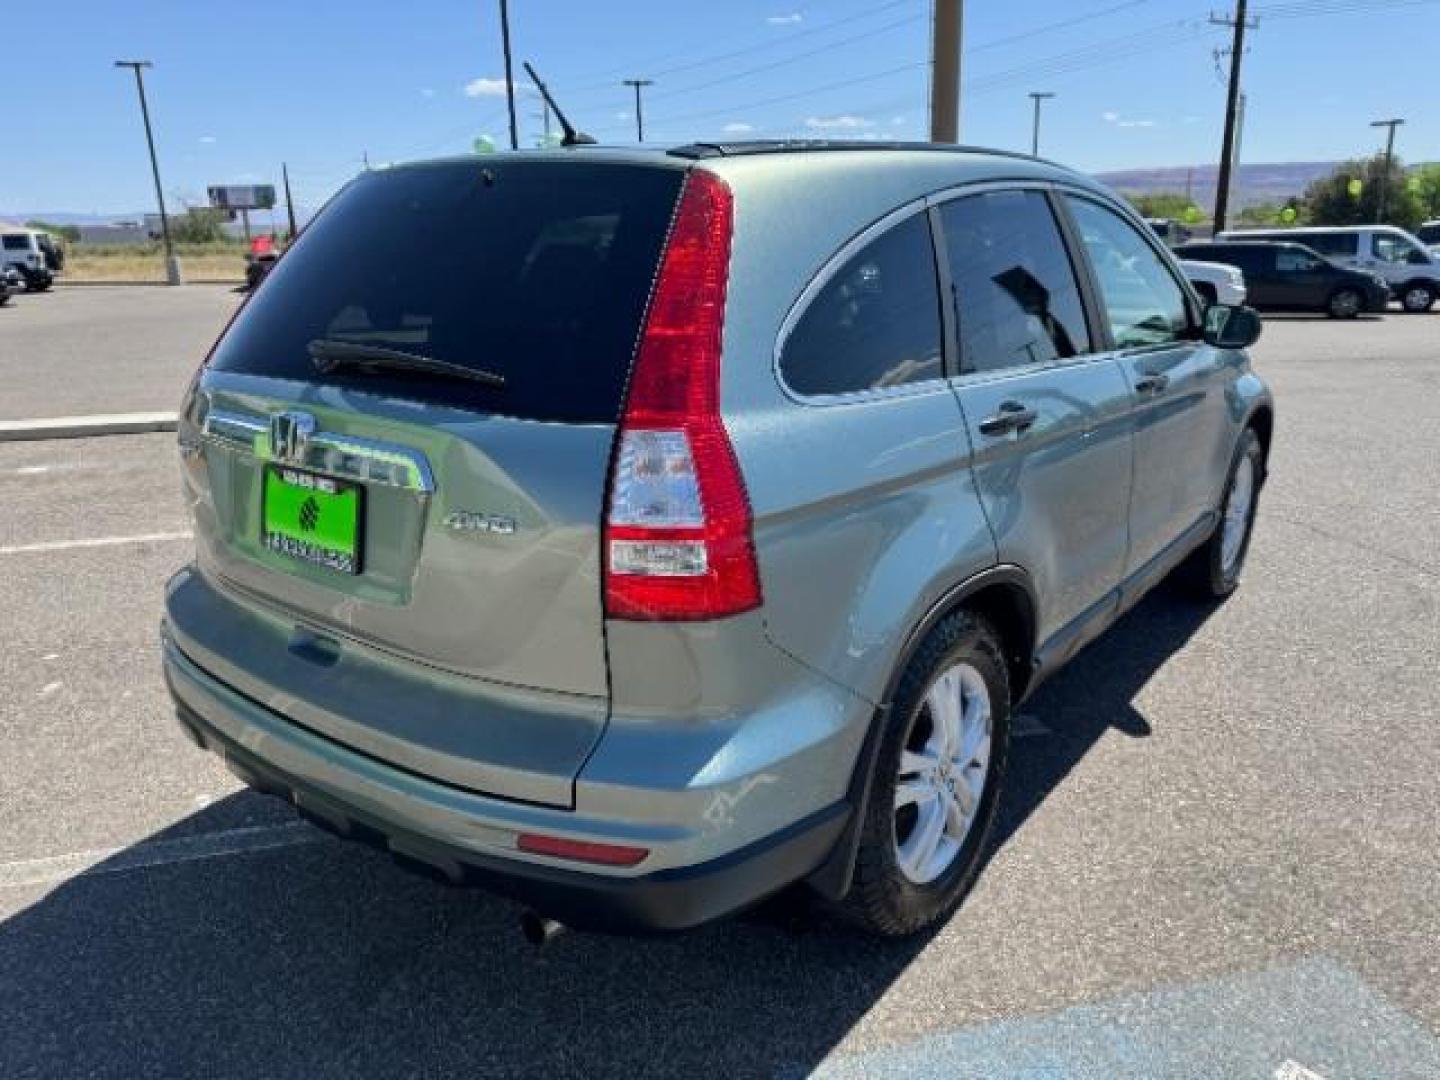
(289, 202)
(1232, 101)
(509, 79)
(172, 264)
(945, 71)
(1232, 198)
(1389, 158)
(638, 84)
(1035, 127)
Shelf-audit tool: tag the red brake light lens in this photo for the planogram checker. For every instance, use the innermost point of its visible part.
(678, 533)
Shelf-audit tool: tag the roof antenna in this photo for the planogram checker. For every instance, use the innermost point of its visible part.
(572, 137)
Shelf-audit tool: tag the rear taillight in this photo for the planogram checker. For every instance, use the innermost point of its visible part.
(678, 541)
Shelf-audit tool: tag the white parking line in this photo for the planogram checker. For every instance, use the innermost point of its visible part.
(156, 853)
(98, 541)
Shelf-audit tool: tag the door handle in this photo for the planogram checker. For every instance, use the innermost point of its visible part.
(1012, 417)
(1151, 384)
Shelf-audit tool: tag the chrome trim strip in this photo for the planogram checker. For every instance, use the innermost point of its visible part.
(349, 457)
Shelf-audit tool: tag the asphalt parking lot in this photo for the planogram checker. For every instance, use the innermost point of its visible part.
(1217, 856)
(79, 350)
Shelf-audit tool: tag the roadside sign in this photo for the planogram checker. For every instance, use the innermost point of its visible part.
(242, 196)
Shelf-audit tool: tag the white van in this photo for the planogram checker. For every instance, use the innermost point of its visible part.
(1412, 271)
(33, 253)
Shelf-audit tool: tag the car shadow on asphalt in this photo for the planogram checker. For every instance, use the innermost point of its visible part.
(324, 959)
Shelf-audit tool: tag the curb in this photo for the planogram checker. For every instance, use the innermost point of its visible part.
(149, 284)
(84, 427)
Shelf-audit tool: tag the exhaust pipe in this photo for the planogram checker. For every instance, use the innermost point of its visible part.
(539, 930)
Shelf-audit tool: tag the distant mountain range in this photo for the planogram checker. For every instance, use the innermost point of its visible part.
(1258, 183)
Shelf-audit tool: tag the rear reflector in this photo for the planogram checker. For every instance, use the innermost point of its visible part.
(678, 533)
(580, 850)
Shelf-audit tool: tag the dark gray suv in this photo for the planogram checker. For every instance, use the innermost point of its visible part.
(641, 532)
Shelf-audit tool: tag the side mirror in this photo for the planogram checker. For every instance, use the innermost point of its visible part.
(1418, 258)
(1228, 327)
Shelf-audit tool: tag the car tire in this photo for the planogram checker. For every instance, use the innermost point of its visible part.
(962, 655)
(1215, 567)
(1418, 297)
(1345, 304)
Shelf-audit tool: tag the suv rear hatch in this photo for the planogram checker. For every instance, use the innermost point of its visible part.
(353, 489)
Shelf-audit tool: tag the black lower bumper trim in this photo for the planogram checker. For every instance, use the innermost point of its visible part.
(675, 899)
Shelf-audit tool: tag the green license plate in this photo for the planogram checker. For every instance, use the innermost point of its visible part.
(313, 518)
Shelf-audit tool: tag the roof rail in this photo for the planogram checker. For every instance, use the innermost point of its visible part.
(698, 151)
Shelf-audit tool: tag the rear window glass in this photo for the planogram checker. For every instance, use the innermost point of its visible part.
(17, 242)
(538, 272)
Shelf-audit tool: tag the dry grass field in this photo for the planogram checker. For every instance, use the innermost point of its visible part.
(200, 262)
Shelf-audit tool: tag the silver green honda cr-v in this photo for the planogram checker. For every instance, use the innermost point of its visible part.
(641, 532)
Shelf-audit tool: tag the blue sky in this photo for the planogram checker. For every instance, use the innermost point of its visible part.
(237, 88)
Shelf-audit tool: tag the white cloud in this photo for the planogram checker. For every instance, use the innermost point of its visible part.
(896, 121)
(735, 127)
(207, 139)
(622, 115)
(483, 87)
(838, 123)
(427, 91)
(1114, 118)
(785, 20)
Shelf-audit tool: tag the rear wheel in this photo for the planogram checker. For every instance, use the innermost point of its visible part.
(937, 780)
(1345, 304)
(1417, 297)
(1215, 566)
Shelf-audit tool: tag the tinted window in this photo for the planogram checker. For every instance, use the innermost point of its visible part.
(1252, 258)
(536, 271)
(1331, 243)
(1016, 301)
(1395, 249)
(876, 323)
(1294, 260)
(1143, 301)
(16, 242)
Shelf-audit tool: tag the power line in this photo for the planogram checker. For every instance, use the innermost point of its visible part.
(759, 46)
(784, 61)
(741, 106)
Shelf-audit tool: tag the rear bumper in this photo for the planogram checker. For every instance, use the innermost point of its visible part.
(464, 838)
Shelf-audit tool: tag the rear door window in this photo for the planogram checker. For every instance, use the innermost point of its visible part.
(538, 272)
(1015, 294)
(16, 242)
(875, 323)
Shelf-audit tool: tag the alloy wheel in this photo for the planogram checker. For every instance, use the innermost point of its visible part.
(943, 770)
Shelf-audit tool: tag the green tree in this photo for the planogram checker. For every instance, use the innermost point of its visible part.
(1162, 204)
(1351, 195)
(198, 225)
(69, 232)
(1424, 183)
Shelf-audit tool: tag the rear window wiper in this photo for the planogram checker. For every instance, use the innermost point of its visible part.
(330, 355)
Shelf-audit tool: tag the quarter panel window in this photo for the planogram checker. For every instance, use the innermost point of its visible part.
(1015, 296)
(1143, 302)
(875, 323)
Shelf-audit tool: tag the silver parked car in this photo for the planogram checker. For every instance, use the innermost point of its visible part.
(642, 532)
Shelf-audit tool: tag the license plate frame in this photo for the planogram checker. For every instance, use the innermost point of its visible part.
(309, 543)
